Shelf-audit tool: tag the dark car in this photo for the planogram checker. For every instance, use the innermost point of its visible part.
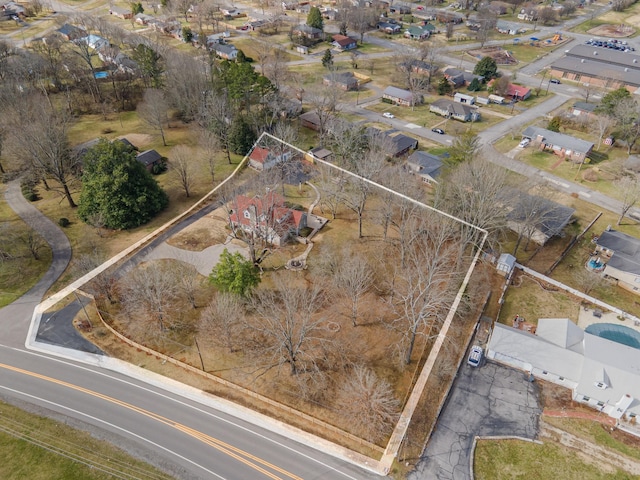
(438, 130)
(555, 80)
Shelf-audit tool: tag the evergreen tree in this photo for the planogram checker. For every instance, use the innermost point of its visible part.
(444, 86)
(150, 65)
(136, 8)
(241, 137)
(314, 19)
(234, 274)
(117, 188)
(486, 68)
(187, 34)
(327, 59)
(611, 100)
(554, 124)
(475, 85)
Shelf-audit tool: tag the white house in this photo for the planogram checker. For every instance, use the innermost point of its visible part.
(462, 98)
(601, 373)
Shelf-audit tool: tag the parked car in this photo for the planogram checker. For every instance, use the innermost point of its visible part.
(524, 142)
(475, 356)
(555, 80)
(388, 115)
(438, 130)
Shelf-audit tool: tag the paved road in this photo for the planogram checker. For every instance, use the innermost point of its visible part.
(190, 433)
(491, 400)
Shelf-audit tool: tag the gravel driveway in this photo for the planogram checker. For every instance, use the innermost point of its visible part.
(491, 400)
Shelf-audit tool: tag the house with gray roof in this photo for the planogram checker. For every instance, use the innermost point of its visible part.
(458, 111)
(584, 110)
(460, 78)
(398, 96)
(621, 254)
(228, 52)
(304, 30)
(150, 159)
(601, 372)
(565, 146)
(599, 67)
(71, 32)
(535, 217)
(425, 165)
(343, 80)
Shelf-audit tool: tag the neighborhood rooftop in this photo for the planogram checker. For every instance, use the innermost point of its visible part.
(626, 248)
(560, 139)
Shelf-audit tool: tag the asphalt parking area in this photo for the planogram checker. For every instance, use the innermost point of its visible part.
(492, 400)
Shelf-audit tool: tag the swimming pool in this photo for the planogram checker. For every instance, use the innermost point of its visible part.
(616, 333)
(101, 74)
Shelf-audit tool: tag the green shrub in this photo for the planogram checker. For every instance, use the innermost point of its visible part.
(64, 222)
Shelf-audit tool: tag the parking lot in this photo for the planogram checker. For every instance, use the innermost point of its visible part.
(490, 400)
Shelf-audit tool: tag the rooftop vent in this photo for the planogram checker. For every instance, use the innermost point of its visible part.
(635, 60)
(582, 61)
(626, 69)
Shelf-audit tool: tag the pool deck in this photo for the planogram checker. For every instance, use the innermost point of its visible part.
(586, 318)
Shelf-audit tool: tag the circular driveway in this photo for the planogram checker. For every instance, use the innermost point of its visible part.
(491, 400)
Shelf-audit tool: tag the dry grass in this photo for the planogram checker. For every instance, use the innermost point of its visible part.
(371, 343)
(20, 272)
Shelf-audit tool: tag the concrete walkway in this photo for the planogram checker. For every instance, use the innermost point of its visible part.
(204, 261)
(15, 317)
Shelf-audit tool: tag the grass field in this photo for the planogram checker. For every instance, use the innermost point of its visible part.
(517, 459)
(30, 446)
(21, 271)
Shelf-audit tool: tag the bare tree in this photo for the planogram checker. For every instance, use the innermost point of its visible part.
(288, 324)
(369, 404)
(487, 20)
(628, 191)
(587, 280)
(221, 322)
(424, 290)
(153, 110)
(33, 242)
(149, 293)
(547, 15)
(354, 279)
(39, 137)
(360, 19)
(533, 216)
(501, 85)
(325, 101)
(188, 281)
(414, 81)
(102, 284)
(474, 192)
(600, 125)
(182, 168)
(210, 143)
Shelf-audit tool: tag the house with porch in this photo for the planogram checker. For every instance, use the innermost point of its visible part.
(460, 78)
(343, 80)
(565, 146)
(398, 96)
(535, 217)
(263, 159)
(621, 254)
(601, 372)
(306, 31)
(267, 217)
(458, 111)
(417, 32)
(344, 43)
(226, 51)
(426, 166)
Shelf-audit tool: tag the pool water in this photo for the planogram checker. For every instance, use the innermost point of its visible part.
(101, 74)
(616, 333)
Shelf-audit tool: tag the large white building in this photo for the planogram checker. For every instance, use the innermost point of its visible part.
(601, 365)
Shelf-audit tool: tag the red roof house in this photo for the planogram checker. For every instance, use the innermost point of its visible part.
(267, 217)
(344, 43)
(263, 159)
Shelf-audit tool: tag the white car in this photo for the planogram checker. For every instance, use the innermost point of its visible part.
(388, 115)
(475, 356)
(524, 142)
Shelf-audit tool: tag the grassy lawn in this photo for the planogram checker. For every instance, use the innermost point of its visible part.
(594, 432)
(20, 272)
(519, 459)
(28, 443)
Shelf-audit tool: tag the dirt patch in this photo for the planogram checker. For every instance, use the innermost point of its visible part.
(209, 230)
(499, 54)
(615, 31)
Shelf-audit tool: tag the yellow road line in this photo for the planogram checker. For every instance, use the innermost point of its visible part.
(230, 450)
